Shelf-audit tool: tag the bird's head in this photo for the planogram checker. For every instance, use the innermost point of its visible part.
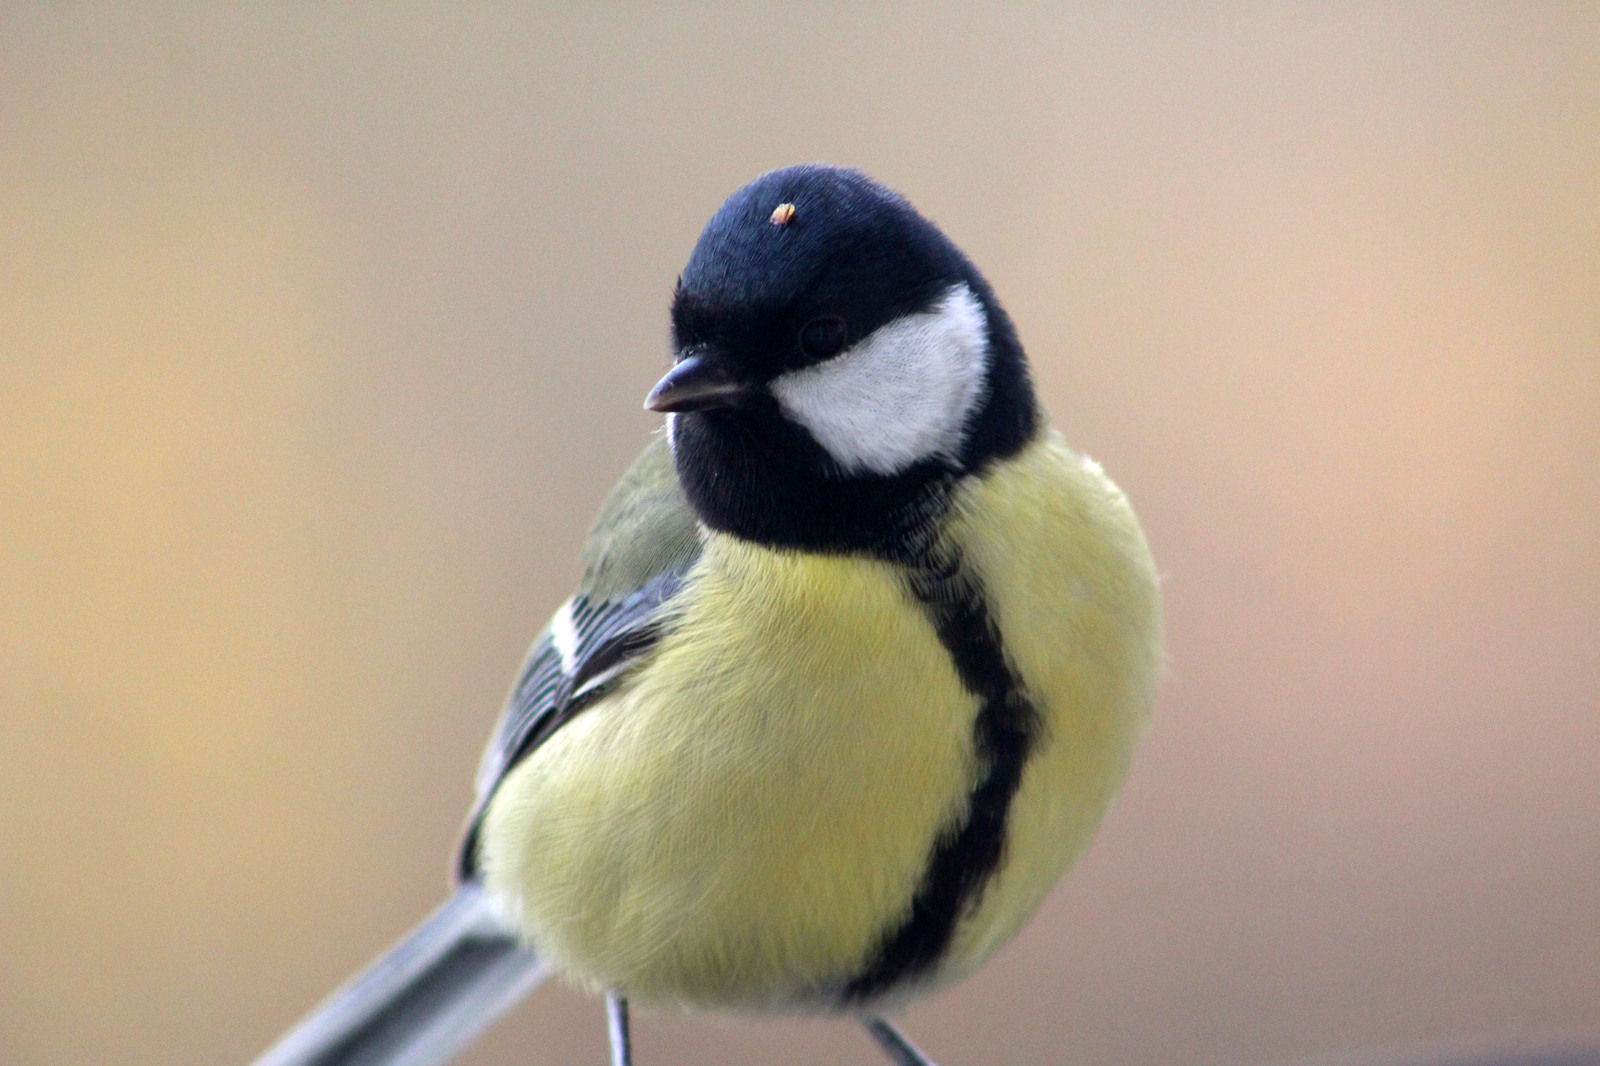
(838, 359)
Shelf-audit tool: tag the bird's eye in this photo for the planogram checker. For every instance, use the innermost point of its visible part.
(822, 338)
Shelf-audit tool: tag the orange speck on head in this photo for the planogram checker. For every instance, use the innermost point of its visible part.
(783, 214)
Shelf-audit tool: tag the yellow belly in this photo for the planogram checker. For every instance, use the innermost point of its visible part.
(742, 824)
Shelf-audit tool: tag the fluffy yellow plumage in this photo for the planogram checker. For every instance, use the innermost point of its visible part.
(857, 664)
(741, 822)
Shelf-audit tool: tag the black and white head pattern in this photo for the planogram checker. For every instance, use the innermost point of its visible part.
(858, 362)
(902, 395)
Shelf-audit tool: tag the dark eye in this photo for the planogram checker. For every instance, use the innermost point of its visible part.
(821, 338)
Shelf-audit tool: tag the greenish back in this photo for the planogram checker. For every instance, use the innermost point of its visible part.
(645, 527)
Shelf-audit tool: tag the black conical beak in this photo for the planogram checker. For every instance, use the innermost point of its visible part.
(699, 382)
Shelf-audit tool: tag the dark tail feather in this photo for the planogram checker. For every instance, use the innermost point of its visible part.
(424, 1000)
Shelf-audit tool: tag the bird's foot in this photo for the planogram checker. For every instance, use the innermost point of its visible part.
(901, 1051)
(617, 1025)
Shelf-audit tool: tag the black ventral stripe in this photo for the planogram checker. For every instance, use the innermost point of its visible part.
(969, 850)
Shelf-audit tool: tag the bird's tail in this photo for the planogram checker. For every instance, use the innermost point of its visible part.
(425, 999)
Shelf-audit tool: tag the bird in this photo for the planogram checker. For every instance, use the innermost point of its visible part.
(860, 657)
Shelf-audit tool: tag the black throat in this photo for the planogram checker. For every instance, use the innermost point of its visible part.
(752, 473)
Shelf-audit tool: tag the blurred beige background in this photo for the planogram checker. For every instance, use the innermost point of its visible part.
(322, 334)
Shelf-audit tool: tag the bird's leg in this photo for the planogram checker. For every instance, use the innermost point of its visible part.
(894, 1044)
(617, 1025)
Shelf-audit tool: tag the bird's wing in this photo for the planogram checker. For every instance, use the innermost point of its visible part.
(463, 967)
(643, 543)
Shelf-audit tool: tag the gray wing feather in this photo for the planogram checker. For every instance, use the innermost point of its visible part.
(424, 1000)
(608, 636)
(642, 546)
(462, 968)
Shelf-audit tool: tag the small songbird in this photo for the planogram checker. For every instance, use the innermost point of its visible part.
(859, 659)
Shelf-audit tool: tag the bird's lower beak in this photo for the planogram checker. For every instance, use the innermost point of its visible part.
(699, 382)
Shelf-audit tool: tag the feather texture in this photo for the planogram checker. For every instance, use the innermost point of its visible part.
(743, 819)
(643, 542)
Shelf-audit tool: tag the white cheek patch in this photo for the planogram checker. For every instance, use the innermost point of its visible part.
(899, 396)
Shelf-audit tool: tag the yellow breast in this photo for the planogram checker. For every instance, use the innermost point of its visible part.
(1071, 586)
(742, 824)
(747, 817)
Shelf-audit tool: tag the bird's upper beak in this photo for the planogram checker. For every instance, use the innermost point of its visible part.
(701, 380)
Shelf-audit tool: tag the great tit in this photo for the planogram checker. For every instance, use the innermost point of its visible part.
(859, 659)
